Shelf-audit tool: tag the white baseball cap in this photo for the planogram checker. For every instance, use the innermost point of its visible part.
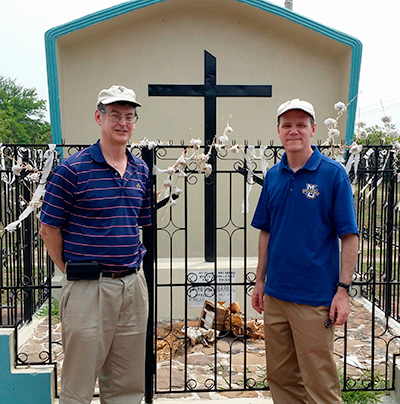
(117, 93)
(296, 104)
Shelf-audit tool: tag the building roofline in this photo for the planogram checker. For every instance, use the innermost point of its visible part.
(115, 11)
(336, 35)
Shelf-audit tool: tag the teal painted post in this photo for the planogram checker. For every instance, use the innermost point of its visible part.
(32, 385)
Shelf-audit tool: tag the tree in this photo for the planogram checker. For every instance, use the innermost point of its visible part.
(377, 135)
(22, 115)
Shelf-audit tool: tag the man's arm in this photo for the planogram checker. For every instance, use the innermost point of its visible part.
(54, 244)
(340, 308)
(257, 297)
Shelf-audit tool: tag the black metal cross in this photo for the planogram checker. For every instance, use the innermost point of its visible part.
(210, 90)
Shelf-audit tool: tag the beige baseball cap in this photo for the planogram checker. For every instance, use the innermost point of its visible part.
(117, 93)
(296, 104)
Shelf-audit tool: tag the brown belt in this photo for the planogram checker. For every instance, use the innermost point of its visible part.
(116, 275)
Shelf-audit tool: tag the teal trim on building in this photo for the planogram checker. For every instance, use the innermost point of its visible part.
(51, 53)
(104, 15)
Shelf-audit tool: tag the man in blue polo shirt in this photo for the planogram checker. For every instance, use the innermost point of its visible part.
(95, 202)
(305, 207)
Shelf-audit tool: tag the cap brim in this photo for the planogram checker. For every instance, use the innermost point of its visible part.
(298, 109)
(110, 100)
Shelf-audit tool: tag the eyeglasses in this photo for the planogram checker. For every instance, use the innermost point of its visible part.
(114, 117)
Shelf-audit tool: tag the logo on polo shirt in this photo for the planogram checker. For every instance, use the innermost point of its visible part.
(311, 191)
(138, 186)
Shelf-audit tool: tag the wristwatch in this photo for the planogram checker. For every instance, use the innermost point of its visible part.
(347, 286)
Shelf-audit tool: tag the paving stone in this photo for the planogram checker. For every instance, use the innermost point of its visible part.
(230, 356)
(252, 358)
(256, 345)
(168, 379)
(200, 359)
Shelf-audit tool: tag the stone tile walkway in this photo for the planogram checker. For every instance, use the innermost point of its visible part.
(201, 360)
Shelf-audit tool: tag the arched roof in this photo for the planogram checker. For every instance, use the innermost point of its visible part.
(102, 16)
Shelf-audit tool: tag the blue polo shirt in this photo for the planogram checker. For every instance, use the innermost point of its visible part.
(99, 212)
(305, 213)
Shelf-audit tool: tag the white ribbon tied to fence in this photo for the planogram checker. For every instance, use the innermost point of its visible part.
(249, 155)
(39, 192)
(355, 152)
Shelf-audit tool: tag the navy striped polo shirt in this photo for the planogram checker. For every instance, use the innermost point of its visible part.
(99, 212)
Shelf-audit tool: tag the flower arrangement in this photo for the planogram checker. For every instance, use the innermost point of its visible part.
(191, 154)
(34, 176)
(389, 135)
(332, 124)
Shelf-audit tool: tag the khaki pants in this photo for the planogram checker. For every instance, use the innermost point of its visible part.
(300, 364)
(104, 332)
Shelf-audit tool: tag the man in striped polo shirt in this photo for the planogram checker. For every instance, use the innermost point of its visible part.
(95, 202)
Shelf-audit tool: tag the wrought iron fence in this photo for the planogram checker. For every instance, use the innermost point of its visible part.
(185, 286)
(24, 270)
(378, 215)
(377, 276)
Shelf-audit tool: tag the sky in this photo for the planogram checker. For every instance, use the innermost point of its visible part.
(23, 24)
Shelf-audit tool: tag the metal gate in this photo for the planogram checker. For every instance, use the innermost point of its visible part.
(183, 283)
(189, 289)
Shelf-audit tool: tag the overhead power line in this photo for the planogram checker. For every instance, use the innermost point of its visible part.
(376, 108)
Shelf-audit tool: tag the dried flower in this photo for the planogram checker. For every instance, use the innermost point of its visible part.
(170, 170)
(361, 124)
(235, 148)
(167, 183)
(201, 160)
(181, 160)
(196, 143)
(152, 144)
(396, 146)
(361, 134)
(355, 148)
(181, 163)
(208, 170)
(147, 143)
(33, 177)
(330, 123)
(341, 107)
(223, 139)
(16, 169)
(227, 131)
(334, 132)
(203, 157)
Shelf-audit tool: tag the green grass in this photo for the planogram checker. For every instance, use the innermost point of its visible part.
(363, 382)
(43, 311)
